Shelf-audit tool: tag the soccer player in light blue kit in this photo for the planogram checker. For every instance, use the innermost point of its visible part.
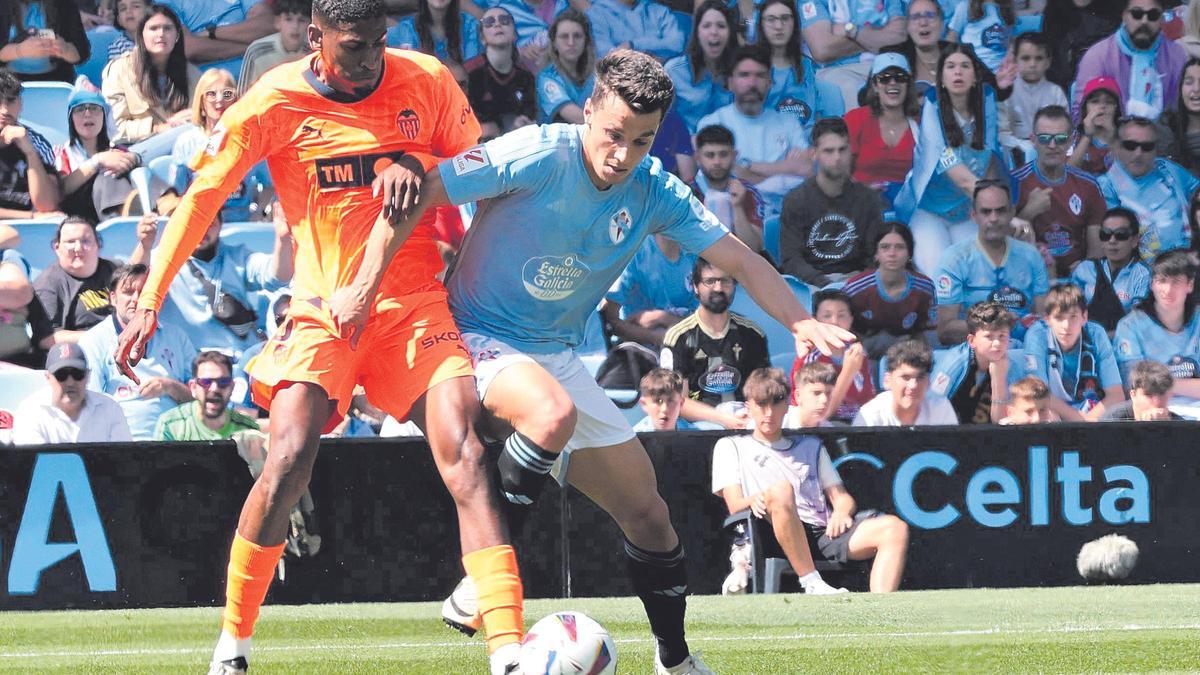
(563, 208)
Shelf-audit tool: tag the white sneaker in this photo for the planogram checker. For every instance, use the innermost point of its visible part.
(819, 587)
(692, 665)
(460, 611)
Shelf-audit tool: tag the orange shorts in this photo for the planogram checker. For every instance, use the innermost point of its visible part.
(406, 349)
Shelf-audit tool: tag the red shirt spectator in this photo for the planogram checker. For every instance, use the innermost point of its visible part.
(876, 162)
(1075, 205)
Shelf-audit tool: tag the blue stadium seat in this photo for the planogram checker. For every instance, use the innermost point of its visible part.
(780, 342)
(44, 107)
(16, 384)
(120, 236)
(100, 38)
(771, 237)
(36, 237)
(258, 237)
(161, 168)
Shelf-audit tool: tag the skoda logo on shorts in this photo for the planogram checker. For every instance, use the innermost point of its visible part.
(721, 379)
(553, 277)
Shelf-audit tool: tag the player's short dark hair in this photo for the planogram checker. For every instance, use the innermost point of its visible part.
(126, 271)
(77, 220)
(10, 86)
(912, 353)
(766, 385)
(714, 134)
(1063, 298)
(1177, 263)
(301, 7)
(828, 125)
(1151, 377)
(757, 53)
(1029, 388)
(1127, 215)
(817, 372)
(1032, 38)
(343, 12)
(1051, 112)
(212, 356)
(989, 315)
(635, 78)
(831, 295)
(661, 383)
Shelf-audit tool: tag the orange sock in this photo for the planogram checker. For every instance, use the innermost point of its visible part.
(251, 568)
(501, 598)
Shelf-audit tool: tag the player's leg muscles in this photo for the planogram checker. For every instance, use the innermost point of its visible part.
(621, 480)
(528, 399)
(447, 414)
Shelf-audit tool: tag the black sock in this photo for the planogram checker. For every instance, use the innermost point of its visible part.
(523, 466)
(660, 580)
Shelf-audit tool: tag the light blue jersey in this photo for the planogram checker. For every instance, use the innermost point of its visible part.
(404, 36)
(1160, 199)
(647, 26)
(765, 138)
(694, 100)
(1079, 375)
(1141, 338)
(871, 13)
(942, 196)
(556, 90)
(169, 354)
(35, 20)
(651, 281)
(546, 244)
(1131, 285)
(988, 34)
(197, 15)
(967, 276)
(233, 270)
(798, 98)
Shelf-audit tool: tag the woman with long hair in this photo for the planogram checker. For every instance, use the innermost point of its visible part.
(793, 75)
(986, 25)
(1096, 133)
(215, 92)
(890, 301)
(149, 88)
(440, 28)
(94, 174)
(958, 146)
(699, 75)
(42, 39)
(566, 83)
(1184, 123)
(883, 130)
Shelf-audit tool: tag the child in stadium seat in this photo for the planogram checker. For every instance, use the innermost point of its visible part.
(288, 43)
(1150, 390)
(907, 400)
(892, 301)
(1073, 356)
(854, 386)
(812, 391)
(1029, 404)
(975, 375)
(1114, 283)
(662, 391)
(792, 483)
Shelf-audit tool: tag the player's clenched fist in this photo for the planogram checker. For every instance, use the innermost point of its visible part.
(350, 307)
(400, 186)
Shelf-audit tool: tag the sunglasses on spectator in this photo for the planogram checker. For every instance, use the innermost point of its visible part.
(1149, 14)
(923, 16)
(888, 78)
(224, 95)
(221, 382)
(1123, 234)
(1148, 146)
(74, 373)
(503, 20)
(1057, 139)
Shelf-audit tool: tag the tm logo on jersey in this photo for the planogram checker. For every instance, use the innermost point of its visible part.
(553, 277)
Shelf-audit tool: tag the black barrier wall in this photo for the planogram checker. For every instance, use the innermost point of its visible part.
(149, 525)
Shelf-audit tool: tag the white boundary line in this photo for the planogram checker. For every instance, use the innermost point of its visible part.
(473, 644)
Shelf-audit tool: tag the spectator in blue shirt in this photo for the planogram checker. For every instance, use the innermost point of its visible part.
(843, 36)
(163, 370)
(993, 266)
(1165, 327)
(986, 26)
(1073, 356)
(440, 28)
(1113, 283)
(976, 374)
(793, 75)
(566, 83)
(219, 31)
(653, 292)
(700, 74)
(643, 25)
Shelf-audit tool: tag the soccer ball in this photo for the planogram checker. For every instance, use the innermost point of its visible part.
(568, 643)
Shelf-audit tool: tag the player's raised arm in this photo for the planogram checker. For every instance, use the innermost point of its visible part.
(774, 295)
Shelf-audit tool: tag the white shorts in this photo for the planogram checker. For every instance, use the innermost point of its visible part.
(599, 423)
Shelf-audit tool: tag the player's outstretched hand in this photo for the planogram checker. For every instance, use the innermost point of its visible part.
(350, 310)
(824, 337)
(131, 344)
(400, 186)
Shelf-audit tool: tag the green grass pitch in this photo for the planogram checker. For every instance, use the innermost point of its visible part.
(1102, 629)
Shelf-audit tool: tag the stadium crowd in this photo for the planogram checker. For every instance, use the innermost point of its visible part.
(1009, 223)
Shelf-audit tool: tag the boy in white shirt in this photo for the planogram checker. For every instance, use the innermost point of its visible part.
(907, 400)
(792, 483)
(1031, 91)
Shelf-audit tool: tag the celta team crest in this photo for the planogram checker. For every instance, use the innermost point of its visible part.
(1076, 204)
(409, 123)
(619, 226)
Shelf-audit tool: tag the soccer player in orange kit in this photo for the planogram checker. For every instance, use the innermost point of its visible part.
(347, 133)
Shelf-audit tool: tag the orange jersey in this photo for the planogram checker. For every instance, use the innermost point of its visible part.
(323, 151)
